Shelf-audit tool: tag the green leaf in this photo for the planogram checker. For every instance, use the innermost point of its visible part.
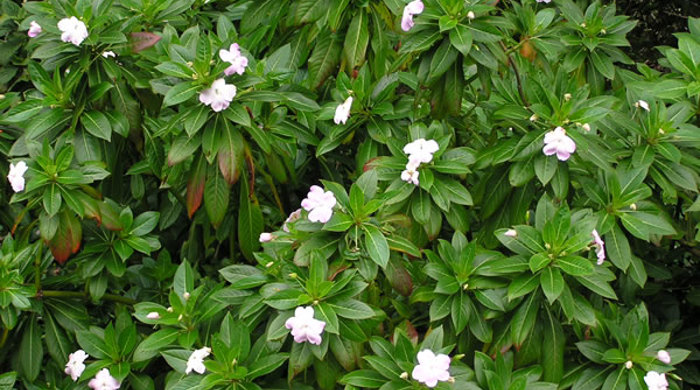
(180, 93)
(461, 39)
(352, 309)
(575, 265)
(216, 198)
(31, 351)
(376, 245)
(324, 58)
(265, 365)
(364, 379)
(553, 343)
(52, 200)
(552, 283)
(93, 345)
(618, 248)
(97, 124)
(356, 40)
(158, 340)
(250, 221)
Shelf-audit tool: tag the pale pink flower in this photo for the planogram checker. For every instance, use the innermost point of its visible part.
(342, 112)
(421, 150)
(664, 356)
(557, 142)
(431, 368)
(73, 30)
(265, 237)
(34, 29)
(410, 176)
(219, 96)
(76, 365)
(319, 204)
(154, 315)
(196, 360)
(293, 217)
(599, 246)
(656, 381)
(104, 381)
(413, 8)
(304, 326)
(16, 176)
(233, 56)
(510, 233)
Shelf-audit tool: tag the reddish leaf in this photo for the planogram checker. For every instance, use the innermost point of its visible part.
(143, 40)
(110, 216)
(67, 239)
(398, 277)
(230, 152)
(195, 185)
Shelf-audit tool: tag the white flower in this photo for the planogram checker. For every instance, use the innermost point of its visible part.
(73, 30)
(656, 381)
(304, 326)
(431, 368)
(266, 237)
(644, 105)
(233, 56)
(108, 54)
(599, 246)
(293, 217)
(556, 141)
(510, 233)
(413, 8)
(319, 204)
(103, 381)
(219, 96)
(663, 356)
(153, 315)
(34, 29)
(342, 112)
(196, 360)
(76, 365)
(420, 150)
(16, 176)
(471, 15)
(544, 1)
(410, 175)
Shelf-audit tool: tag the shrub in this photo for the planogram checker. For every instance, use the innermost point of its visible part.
(488, 195)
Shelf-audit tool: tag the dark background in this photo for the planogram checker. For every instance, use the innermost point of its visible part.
(658, 21)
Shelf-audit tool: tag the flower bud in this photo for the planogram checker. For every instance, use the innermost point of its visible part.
(293, 275)
(186, 295)
(633, 207)
(586, 127)
(270, 264)
(567, 97)
(511, 233)
(169, 309)
(471, 15)
(534, 117)
(663, 356)
(404, 375)
(628, 364)
(153, 315)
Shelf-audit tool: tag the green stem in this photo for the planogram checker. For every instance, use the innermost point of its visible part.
(76, 294)
(37, 267)
(3, 338)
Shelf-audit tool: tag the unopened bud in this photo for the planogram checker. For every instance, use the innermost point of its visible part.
(567, 96)
(583, 24)
(661, 131)
(633, 206)
(169, 309)
(586, 127)
(471, 15)
(315, 302)
(234, 362)
(534, 117)
(293, 275)
(451, 379)
(270, 264)
(546, 245)
(153, 315)
(404, 375)
(465, 287)
(603, 31)
(186, 295)
(628, 364)
(459, 356)
(179, 318)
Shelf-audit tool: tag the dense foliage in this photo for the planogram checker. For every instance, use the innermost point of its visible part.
(495, 196)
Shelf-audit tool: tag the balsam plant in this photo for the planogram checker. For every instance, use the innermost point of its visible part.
(311, 194)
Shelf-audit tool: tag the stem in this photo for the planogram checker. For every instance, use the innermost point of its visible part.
(37, 267)
(76, 294)
(517, 76)
(3, 339)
